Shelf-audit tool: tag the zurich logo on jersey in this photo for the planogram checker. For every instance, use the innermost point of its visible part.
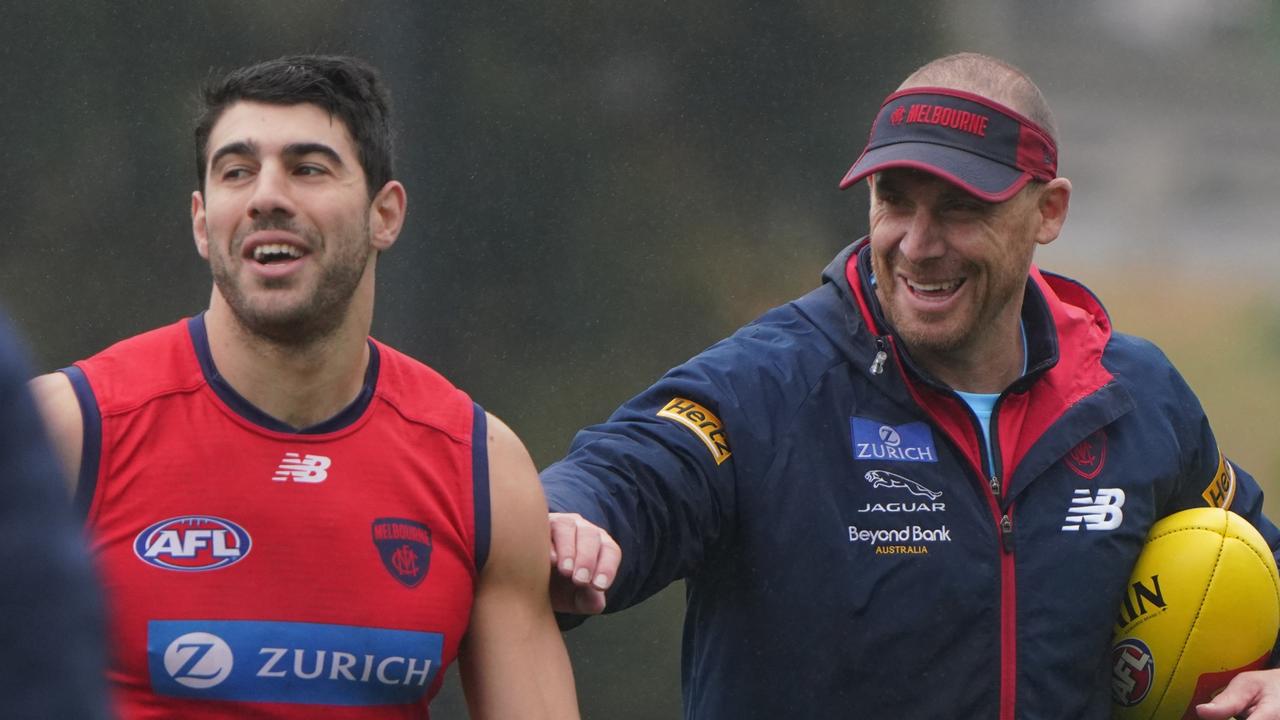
(875, 440)
(291, 662)
(192, 543)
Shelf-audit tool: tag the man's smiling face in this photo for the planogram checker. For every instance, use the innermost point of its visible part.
(951, 269)
(284, 218)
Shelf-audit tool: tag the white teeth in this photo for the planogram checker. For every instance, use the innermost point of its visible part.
(934, 287)
(275, 250)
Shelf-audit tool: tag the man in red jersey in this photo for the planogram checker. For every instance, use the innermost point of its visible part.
(291, 518)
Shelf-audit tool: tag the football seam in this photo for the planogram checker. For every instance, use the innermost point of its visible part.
(1274, 589)
(1133, 628)
(1217, 562)
(1221, 532)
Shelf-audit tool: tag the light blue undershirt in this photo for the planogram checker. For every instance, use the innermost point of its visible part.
(983, 403)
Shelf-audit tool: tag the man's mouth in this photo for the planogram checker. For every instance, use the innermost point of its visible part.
(271, 253)
(934, 290)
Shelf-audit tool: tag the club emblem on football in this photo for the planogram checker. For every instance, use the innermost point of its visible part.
(405, 548)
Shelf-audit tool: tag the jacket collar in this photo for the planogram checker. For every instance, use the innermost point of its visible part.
(1067, 332)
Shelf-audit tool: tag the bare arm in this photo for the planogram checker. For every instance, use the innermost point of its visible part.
(56, 401)
(513, 660)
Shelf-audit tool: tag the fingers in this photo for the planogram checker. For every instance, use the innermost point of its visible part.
(564, 542)
(1255, 694)
(1214, 711)
(585, 554)
(608, 558)
(584, 559)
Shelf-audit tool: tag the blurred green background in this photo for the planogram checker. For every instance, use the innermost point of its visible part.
(600, 189)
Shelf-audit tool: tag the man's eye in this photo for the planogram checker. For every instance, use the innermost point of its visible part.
(234, 173)
(967, 206)
(309, 170)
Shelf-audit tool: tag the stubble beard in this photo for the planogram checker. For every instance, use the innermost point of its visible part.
(960, 333)
(308, 320)
(940, 337)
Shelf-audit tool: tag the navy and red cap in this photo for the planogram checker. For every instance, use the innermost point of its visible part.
(984, 147)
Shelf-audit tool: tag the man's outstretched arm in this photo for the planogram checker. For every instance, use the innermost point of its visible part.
(513, 660)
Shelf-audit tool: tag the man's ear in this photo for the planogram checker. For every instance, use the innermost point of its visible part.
(1053, 202)
(386, 216)
(199, 230)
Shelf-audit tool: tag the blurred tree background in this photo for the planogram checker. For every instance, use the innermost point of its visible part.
(600, 189)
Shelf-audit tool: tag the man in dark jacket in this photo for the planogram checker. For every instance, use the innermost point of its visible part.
(52, 646)
(917, 491)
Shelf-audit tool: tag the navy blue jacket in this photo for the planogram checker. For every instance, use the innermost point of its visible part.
(848, 551)
(52, 643)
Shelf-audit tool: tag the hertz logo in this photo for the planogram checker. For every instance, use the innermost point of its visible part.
(702, 422)
(1222, 489)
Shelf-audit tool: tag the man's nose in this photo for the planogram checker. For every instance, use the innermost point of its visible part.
(923, 238)
(271, 194)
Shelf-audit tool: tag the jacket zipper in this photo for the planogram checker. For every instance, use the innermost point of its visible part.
(1004, 527)
(1008, 588)
(877, 364)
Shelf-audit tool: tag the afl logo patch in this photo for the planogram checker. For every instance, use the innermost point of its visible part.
(192, 543)
(1132, 672)
(405, 548)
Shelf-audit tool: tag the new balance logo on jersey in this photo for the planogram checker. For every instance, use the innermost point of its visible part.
(1095, 512)
(303, 468)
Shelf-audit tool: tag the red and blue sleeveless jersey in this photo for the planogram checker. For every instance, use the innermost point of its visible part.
(257, 571)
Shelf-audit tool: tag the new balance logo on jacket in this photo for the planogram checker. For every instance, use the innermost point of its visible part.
(1095, 512)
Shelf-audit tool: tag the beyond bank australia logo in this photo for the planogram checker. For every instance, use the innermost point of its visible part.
(874, 440)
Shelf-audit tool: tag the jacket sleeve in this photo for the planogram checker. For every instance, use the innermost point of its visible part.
(658, 476)
(1211, 479)
(662, 474)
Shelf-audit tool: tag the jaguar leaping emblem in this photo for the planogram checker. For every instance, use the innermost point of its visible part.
(884, 478)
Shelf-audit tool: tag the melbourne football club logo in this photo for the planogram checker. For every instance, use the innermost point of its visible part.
(405, 548)
(1133, 672)
(1087, 458)
(192, 543)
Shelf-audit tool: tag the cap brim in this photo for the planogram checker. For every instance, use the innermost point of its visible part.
(987, 179)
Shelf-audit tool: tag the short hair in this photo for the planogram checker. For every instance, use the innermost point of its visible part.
(991, 78)
(343, 86)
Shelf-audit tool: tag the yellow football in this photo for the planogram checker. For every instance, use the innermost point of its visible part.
(1203, 604)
